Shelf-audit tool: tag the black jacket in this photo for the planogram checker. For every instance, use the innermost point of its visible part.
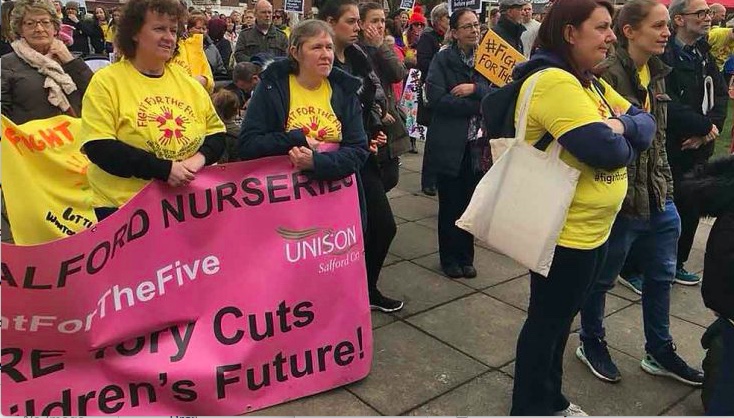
(83, 30)
(685, 86)
(428, 44)
(710, 191)
(263, 132)
(447, 137)
(510, 32)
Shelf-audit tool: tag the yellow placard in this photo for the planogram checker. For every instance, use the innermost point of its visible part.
(44, 179)
(495, 59)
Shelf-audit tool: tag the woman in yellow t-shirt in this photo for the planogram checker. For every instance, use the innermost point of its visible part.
(143, 118)
(600, 134)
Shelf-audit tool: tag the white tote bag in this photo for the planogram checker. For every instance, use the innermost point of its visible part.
(520, 205)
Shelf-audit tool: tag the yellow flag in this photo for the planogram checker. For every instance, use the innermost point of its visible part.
(44, 179)
(495, 59)
(192, 59)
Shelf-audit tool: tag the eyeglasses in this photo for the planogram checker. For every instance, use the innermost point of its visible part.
(470, 26)
(701, 14)
(31, 24)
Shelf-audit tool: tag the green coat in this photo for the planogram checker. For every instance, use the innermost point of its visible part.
(649, 177)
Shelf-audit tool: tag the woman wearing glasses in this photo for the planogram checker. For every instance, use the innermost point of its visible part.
(454, 91)
(40, 78)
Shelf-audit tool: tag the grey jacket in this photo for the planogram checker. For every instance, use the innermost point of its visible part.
(649, 176)
(23, 96)
(251, 41)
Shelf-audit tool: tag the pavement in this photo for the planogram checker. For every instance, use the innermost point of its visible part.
(451, 350)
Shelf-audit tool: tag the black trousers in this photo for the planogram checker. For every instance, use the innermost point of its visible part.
(554, 302)
(380, 229)
(455, 246)
(689, 218)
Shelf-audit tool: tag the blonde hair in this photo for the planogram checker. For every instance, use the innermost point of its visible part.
(304, 31)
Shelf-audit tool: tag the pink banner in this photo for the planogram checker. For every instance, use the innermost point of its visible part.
(245, 290)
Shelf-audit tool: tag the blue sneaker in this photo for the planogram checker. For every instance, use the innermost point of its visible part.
(633, 283)
(667, 363)
(685, 278)
(595, 355)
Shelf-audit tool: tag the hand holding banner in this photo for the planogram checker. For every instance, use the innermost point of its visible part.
(495, 59)
(244, 290)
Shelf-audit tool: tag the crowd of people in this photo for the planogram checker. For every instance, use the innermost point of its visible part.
(635, 97)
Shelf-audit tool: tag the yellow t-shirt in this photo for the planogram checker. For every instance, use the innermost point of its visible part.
(722, 45)
(644, 74)
(168, 116)
(192, 59)
(599, 193)
(109, 32)
(311, 111)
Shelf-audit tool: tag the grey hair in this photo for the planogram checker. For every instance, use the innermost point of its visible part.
(22, 7)
(678, 7)
(438, 12)
(303, 31)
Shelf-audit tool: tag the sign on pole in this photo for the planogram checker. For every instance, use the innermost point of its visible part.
(495, 59)
(295, 6)
(475, 5)
(407, 4)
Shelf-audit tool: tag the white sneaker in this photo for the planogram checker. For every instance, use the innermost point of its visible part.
(573, 410)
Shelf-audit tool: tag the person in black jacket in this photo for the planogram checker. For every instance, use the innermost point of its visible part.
(380, 229)
(427, 47)
(697, 111)
(82, 28)
(454, 91)
(510, 27)
(709, 191)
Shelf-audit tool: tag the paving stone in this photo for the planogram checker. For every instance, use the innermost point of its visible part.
(391, 259)
(430, 222)
(399, 220)
(638, 393)
(624, 292)
(702, 234)
(478, 325)
(380, 319)
(517, 293)
(332, 403)
(690, 406)
(410, 182)
(487, 395)
(492, 268)
(413, 241)
(419, 288)
(695, 261)
(396, 193)
(686, 303)
(624, 332)
(413, 208)
(412, 162)
(409, 368)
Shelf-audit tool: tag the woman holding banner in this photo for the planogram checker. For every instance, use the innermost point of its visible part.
(454, 91)
(144, 118)
(40, 78)
(600, 134)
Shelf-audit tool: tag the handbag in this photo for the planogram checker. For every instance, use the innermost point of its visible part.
(520, 205)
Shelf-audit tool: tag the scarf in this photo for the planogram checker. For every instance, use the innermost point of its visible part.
(57, 81)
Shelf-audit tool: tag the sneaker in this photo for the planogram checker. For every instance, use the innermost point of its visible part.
(573, 410)
(633, 283)
(595, 355)
(469, 272)
(453, 271)
(667, 363)
(685, 278)
(380, 302)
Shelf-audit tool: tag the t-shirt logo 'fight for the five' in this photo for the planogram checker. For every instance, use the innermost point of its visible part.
(316, 123)
(321, 133)
(170, 120)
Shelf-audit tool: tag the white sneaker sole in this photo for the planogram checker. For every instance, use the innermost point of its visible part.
(386, 310)
(662, 372)
(580, 355)
(629, 286)
(685, 283)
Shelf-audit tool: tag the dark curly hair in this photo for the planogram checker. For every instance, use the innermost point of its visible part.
(133, 18)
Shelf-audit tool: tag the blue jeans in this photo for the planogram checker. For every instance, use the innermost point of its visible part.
(654, 242)
(722, 401)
